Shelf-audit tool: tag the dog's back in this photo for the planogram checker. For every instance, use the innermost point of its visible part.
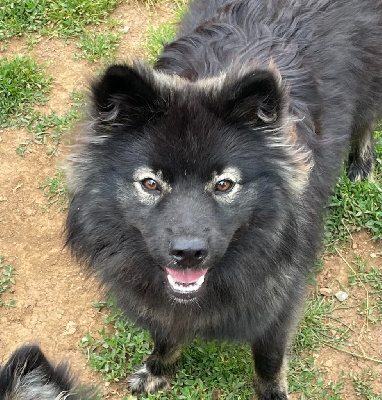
(329, 53)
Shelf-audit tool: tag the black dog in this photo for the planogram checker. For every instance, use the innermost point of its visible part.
(28, 375)
(198, 187)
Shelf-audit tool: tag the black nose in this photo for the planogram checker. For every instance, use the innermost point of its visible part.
(189, 249)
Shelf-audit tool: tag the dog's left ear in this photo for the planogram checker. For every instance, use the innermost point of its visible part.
(254, 99)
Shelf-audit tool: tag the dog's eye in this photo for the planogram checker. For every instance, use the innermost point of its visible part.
(150, 184)
(225, 185)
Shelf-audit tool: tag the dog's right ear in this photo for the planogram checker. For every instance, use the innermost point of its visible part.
(123, 93)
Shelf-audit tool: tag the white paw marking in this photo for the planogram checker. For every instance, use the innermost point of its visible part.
(142, 381)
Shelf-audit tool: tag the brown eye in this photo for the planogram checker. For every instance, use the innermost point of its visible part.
(224, 185)
(150, 184)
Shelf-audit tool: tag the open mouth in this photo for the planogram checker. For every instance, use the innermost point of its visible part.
(185, 281)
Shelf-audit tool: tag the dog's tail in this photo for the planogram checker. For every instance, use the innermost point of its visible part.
(28, 375)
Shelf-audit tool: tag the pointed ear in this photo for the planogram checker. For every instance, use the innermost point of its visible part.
(124, 93)
(255, 99)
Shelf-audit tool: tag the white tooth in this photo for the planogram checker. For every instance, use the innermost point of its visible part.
(200, 280)
(185, 289)
(171, 280)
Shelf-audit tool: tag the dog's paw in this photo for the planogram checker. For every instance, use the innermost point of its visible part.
(360, 166)
(358, 172)
(143, 381)
(271, 390)
(273, 396)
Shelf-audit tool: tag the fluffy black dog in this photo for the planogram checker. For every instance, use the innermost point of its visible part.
(28, 375)
(198, 187)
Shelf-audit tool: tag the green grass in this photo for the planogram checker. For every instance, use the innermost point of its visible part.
(55, 192)
(205, 367)
(211, 368)
(60, 17)
(356, 205)
(157, 36)
(7, 279)
(22, 85)
(98, 46)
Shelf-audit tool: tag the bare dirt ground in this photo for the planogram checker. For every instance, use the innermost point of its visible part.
(53, 299)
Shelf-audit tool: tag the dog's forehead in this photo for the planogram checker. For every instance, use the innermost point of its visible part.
(188, 164)
(192, 143)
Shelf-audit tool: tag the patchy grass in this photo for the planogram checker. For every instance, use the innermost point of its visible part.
(208, 369)
(7, 279)
(371, 280)
(317, 329)
(55, 192)
(114, 353)
(62, 18)
(22, 85)
(98, 46)
(48, 129)
(356, 205)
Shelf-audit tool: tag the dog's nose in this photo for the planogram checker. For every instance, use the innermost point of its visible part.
(189, 249)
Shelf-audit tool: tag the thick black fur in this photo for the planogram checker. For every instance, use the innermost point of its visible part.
(278, 90)
(28, 375)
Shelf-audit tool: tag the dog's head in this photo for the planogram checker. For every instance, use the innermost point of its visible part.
(170, 171)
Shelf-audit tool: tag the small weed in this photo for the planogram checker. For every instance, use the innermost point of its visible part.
(22, 84)
(24, 148)
(55, 192)
(48, 128)
(7, 279)
(363, 385)
(113, 23)
(371, 280)
(98, 46)
(31, 41)
(149, 2)
(63, 18)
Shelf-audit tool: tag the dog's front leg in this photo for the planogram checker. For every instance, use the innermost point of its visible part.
(270, 366)
(152, 375)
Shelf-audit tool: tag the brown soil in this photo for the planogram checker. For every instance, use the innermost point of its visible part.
(365, 336)
(53, 300)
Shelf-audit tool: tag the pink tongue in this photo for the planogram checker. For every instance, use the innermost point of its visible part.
(187, 275)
